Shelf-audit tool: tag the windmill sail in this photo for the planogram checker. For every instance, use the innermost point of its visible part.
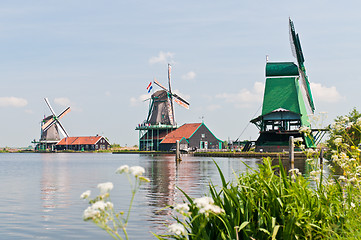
(161, 109)
(298, 54)
(52, 123)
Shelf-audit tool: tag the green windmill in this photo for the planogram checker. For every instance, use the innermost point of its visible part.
(287, 102)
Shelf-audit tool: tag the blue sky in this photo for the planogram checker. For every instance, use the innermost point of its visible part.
(99, 56)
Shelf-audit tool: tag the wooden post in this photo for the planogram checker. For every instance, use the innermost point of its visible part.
(177, 152)
(292, 153)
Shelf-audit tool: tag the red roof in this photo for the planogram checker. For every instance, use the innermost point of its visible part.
(185, 131)
(80, 140)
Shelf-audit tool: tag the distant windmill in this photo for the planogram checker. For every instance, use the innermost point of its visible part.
(160, 120)
(51, 125)
(161, 110)
(50, 128)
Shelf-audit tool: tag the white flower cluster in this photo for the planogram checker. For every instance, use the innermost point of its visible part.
(136, 171)
(206, 205)
(177, 229)
(85, 194)
(305, 129)
(105, 187)
(122, 169)
(337, 141)
(96, 209)
(182, 208)
(295, 171)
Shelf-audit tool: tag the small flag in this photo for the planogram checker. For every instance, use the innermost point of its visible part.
(150, 87)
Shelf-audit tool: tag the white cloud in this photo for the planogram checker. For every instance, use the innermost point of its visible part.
(108, 93)
(244, 98)
(13, 102)
(189, 76)
(62, 101)
(163, 57)
(65, 102)
(135, 101)
(325, 94)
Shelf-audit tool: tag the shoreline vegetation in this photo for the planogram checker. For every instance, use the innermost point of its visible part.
(269, 202)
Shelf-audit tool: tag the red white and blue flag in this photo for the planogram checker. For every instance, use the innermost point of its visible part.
(150, 87)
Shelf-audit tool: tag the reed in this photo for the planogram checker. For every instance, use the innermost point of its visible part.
(269, 203)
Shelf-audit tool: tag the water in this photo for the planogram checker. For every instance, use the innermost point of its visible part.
(40, 193)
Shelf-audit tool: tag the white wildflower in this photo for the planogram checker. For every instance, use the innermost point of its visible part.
(330, 182)
(109, 205)
(310, 151)
(305, 129)
(203, 202)
(177, 229)
(353, 179)
(105, 187)
(350, 124)
(182, 208)
(337, 141)
(358, 121)
(211, 208)
(345, 119)
(206, 205)
(298, 139)
(85, 194)
(122, 169)
(352, 205)
(90, 213)
(310, 160)
(342, 178)
(294, 171)
(137, 171)
(336, 126)
(100, 205)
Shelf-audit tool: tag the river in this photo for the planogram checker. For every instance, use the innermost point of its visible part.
(40, 192)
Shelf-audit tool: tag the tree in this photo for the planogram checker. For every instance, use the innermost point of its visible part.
(346, 130)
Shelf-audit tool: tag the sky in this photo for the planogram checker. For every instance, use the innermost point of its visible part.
(98, 57)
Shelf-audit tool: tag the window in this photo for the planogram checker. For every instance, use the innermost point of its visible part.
(203, 135)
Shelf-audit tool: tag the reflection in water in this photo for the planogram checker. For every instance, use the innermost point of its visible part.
(54, 185)
(192, 175)
(166, 176)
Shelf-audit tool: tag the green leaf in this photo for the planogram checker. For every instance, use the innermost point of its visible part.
(243, 225)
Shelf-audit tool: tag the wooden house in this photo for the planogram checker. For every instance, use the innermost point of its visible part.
(191, 136)
(92, 143)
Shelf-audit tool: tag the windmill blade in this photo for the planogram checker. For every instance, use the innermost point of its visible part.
(61, 129)
(51, 109)
(159, 85)
(307, 88)
(48, 124)
(169, 72)
(296, 44)
(180, 102)
(63, 113)
(180, 99)
(298, 54)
